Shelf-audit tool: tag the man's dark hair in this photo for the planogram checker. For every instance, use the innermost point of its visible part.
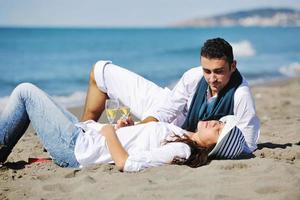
(217, 48)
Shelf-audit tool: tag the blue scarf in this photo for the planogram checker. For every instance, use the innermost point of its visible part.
(222, 106)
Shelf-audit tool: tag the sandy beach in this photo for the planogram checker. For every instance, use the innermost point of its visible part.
(272, 172)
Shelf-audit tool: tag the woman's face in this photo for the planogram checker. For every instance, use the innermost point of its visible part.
(208, 132)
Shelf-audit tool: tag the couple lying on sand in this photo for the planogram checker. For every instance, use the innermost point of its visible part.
(209, 114)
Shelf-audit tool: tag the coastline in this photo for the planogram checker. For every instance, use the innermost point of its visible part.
(272, 172)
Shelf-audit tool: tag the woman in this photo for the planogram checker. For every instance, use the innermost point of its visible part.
(133, 148)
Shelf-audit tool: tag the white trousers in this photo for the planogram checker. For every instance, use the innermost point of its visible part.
(142, 96)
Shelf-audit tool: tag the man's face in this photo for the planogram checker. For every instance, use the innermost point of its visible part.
(217, 73)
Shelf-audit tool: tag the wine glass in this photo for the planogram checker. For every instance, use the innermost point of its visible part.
(125, 110)
(111, 109)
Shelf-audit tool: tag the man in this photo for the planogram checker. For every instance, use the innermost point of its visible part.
(208, 92)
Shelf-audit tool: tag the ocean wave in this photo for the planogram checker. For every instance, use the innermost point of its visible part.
(73, 100)
(186, 50)
(291, 70)
(243, 48)
(172, 84)
(3, 102)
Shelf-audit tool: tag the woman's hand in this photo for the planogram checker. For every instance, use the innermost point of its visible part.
(122, 122)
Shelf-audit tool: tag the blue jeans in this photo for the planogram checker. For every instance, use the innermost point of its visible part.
(54, 125)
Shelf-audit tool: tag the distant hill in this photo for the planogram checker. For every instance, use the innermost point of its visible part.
(256, 17)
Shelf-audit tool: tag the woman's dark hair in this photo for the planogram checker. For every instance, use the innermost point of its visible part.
(217, 48)
(198, 157)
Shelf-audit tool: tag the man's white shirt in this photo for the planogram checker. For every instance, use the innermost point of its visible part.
(148, 99)
(176, 105)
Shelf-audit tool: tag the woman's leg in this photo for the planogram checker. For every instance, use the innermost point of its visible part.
(53, 124)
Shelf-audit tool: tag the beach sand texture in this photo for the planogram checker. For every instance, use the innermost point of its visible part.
(272, 172)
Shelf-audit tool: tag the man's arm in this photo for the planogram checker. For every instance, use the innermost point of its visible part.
(244, 109)
(175, 103)
(95, 100)
(117, 151)
(148, 119)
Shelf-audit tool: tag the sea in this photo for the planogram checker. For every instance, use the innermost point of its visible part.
(59, 60)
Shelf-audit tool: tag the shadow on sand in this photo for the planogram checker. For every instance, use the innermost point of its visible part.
(15, 165)
(270, 145)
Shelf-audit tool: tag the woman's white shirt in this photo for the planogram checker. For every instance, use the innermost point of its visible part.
(145, 144)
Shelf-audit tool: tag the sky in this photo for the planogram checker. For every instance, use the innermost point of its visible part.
(121, 13)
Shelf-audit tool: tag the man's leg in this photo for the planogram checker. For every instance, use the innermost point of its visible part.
(132, 90)
(95, 100)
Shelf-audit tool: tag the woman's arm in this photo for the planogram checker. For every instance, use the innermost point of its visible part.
(118, 153)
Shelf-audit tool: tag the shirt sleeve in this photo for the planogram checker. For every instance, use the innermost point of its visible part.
(140, 160)
(244, 109)
(176, 103)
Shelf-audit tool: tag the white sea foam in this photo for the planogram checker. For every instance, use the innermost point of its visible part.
(292, 70)
(3, 102)
(172, 84)
(243, 48)
(73, 100)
